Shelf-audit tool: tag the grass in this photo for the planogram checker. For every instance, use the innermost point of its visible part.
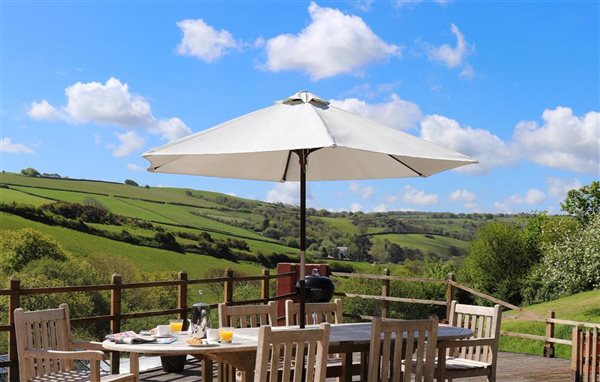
(583, 307)
(145, 258)
(439, 245)
(9, 196)
(158, 194)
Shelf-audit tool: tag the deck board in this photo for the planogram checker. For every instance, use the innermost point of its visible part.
(512, 367)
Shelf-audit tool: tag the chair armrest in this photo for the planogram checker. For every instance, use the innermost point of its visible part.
(86, 345)
(449, 344)
(86, 355)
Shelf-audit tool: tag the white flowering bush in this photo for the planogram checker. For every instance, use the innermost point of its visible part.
(570, 263)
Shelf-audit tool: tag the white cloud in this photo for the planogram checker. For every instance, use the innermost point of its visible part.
(111, 104)
(135, 167)
(390, 199)
(467, 72)
(466, 197)
(355, 207)
(43, 111)
(413, 196)
(448, 55)
(397, 113)
(563, 141)
(171, 129)
(286, 193)
(381, 208)
(10, 147)
(231, 193)
(462, 196)
(365, 192)
(333, 43)
(363, 5)
(97, 139)
(558, 188)
(480, 144)
(130, 142)
(203, 41)
(533, 196)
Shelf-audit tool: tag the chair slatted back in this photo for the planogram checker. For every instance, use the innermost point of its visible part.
(397, 361)
(316, 312)
(282, 352)
(43, 330)
(585, 357)
(247, 316)
(484, 322)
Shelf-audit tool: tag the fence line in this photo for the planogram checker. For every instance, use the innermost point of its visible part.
(15, 292)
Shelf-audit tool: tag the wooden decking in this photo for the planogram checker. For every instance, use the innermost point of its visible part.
(512, 367)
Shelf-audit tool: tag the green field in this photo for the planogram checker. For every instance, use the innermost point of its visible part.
(147, 259)
(584, 307)
(9, 196)
(439, 245)
(158, 194)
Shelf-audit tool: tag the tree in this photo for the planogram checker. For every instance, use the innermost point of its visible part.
(131, 182)
(30, 171)
(499, 261)
(359, 248)
(570, 264)
(583, 203)
(19, 248)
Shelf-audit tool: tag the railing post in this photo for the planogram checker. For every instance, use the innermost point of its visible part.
(115, 321)
(449, 294)
(264, 285)
(228, 287)
(385, 292)
(549, 346)
(14, 302)
(182, 297)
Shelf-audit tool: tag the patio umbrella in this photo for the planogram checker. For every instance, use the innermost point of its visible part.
(303, 138)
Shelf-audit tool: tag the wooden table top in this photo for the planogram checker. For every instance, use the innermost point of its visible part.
(246, 339)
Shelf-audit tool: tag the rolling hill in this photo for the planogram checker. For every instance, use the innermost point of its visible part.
(256, 228)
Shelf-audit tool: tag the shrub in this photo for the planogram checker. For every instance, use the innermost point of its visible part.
(131, 182)
(19, 248)
(29, 171)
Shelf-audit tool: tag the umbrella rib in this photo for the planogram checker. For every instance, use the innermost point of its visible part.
(287, 165)
(405, 165)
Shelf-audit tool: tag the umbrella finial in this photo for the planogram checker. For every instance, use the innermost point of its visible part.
(304, 96)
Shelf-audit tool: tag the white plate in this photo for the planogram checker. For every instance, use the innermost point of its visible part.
(157, 336)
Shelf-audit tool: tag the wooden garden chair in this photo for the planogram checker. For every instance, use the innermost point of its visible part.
(281, 352)
(316, 312)
(243, 316)
(585, 355)
(47, 353)
(402, 349)
(247, 316)
(475, 356)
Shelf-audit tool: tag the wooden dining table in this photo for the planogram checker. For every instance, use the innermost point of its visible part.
(344, 339)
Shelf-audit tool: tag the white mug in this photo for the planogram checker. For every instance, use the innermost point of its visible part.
(163, 330)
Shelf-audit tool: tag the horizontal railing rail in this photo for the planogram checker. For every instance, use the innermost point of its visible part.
(116, 316)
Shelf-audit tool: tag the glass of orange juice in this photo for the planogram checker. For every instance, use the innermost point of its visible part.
(226, 334)
(176, 325)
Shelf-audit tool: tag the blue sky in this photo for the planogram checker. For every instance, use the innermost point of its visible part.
(88, 87)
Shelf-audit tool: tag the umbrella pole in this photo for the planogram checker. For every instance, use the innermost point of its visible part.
(302, 281)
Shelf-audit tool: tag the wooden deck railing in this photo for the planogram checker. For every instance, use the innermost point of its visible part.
(116, 287)
(452, 285)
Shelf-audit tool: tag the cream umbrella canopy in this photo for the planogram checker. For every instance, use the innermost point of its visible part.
(303, 138)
